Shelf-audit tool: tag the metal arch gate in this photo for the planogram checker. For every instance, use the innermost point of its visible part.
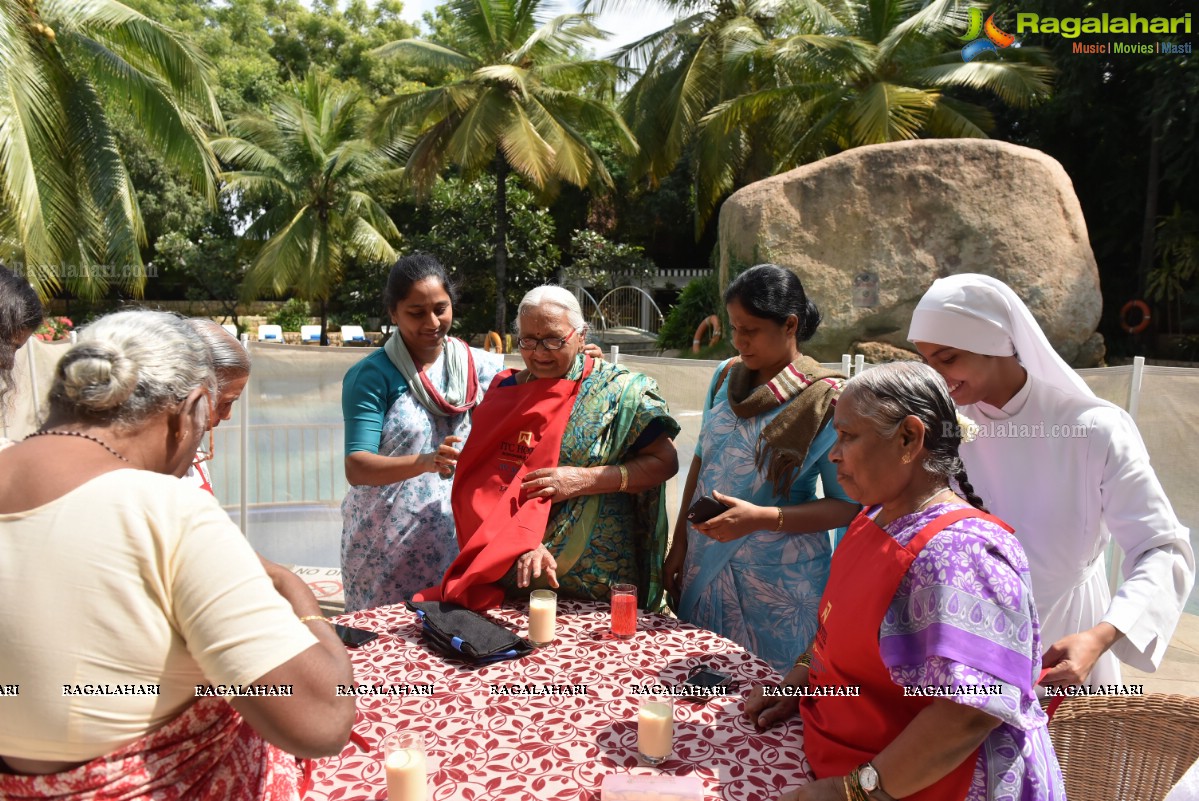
(631, 307)
(590, 306)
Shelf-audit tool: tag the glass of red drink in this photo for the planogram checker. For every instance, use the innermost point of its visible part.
(624, 610)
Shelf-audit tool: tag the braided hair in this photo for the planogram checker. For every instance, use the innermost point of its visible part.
(888, 393)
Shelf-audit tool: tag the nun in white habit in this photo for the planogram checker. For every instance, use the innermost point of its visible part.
(1069, 472)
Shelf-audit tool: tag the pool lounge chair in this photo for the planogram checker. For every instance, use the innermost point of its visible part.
(270, 333)
(353, 335)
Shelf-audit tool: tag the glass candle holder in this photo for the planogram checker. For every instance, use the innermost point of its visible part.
(543, 617)
(655, 728)
(404, 762)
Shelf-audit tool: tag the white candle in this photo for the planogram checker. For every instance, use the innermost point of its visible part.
(655, 729)
(406, 776)
(543, 616)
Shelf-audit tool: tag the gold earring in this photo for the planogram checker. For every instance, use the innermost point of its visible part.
(906, 458)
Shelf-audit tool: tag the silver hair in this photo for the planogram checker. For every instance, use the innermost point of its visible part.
(889, 393)
(229, 358)
(129, 366)
(551, 295)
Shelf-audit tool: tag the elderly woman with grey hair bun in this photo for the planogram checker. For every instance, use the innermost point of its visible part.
(560, 483)
(922, 670)
(232, 366)
(160, 612)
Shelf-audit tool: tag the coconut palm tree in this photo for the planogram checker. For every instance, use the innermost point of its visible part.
(749, 88)
(518, 99)
(307, 165)
(903, 78)
(685, 70)
(67, 207)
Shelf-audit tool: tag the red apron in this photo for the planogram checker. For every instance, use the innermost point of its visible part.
(517, 429)
(841, 733)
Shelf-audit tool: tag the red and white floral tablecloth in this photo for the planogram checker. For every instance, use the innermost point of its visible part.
(557, 747)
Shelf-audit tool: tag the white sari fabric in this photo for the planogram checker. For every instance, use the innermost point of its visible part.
(1074, 476)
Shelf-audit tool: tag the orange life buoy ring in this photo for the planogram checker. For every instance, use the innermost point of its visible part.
(711, 321)
(492, 343)
(1143, 308)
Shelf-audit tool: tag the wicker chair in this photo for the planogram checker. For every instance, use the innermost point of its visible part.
(1125, 748)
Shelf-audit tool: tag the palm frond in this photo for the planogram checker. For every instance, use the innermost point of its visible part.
(478, 130)
(400, 115)
(512, 78)
(286, 258)
(956, 119)
(420, 53)
(525, 149)
(36, 183)
(247, 154)
(558, 38)
(888, 113)
(1016, 83)
(368, 243)
(119, 234)
(651, 48)
(153, 48)
(173, 130)
(257, 187)
(600, 77)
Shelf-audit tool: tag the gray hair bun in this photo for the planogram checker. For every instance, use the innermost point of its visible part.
(96, 376)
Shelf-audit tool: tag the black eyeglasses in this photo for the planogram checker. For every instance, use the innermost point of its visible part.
(549, 343)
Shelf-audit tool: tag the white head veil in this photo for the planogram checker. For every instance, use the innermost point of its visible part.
(983, 315)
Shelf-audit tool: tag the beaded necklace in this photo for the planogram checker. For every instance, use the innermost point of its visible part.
(81, 435)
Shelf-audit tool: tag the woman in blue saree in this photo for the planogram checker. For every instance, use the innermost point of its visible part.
(755, 573)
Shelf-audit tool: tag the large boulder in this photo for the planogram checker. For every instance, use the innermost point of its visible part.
(868, 231)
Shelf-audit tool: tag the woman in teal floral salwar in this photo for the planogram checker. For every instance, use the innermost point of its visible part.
(755, 573)
(406, 406)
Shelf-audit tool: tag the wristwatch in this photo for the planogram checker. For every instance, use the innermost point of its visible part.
(868, 778)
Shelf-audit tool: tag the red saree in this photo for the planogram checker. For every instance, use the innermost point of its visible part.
(208, 753)
(516, 429)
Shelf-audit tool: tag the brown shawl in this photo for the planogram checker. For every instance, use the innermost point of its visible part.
(808, 391)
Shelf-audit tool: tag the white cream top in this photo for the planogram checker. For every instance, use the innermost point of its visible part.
(133, 579)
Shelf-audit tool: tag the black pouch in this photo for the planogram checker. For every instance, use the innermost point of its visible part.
(457, 632)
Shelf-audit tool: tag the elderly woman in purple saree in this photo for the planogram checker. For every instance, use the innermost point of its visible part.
(928, 612)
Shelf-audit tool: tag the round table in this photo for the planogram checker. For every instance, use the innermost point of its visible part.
(484, 745)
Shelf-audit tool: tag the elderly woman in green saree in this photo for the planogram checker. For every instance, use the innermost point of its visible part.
(561, 482)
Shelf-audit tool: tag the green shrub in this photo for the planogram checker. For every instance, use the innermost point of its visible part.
(698, 299)
(292, 315)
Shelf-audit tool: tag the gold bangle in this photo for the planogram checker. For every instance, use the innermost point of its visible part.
(310, 618)
(779, 527)
(848, 794)
(805, 660)
(624, 477)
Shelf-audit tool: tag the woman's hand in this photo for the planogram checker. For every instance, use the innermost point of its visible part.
(557, 483)
(593, 350)
(830, 789)
(765, 711)
(1071, 658)
(741, 518)
(444, 460)
(672, 570)
(532, 564)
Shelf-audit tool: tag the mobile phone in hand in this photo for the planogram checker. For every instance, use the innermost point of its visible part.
(352, 637)
(705, 509)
